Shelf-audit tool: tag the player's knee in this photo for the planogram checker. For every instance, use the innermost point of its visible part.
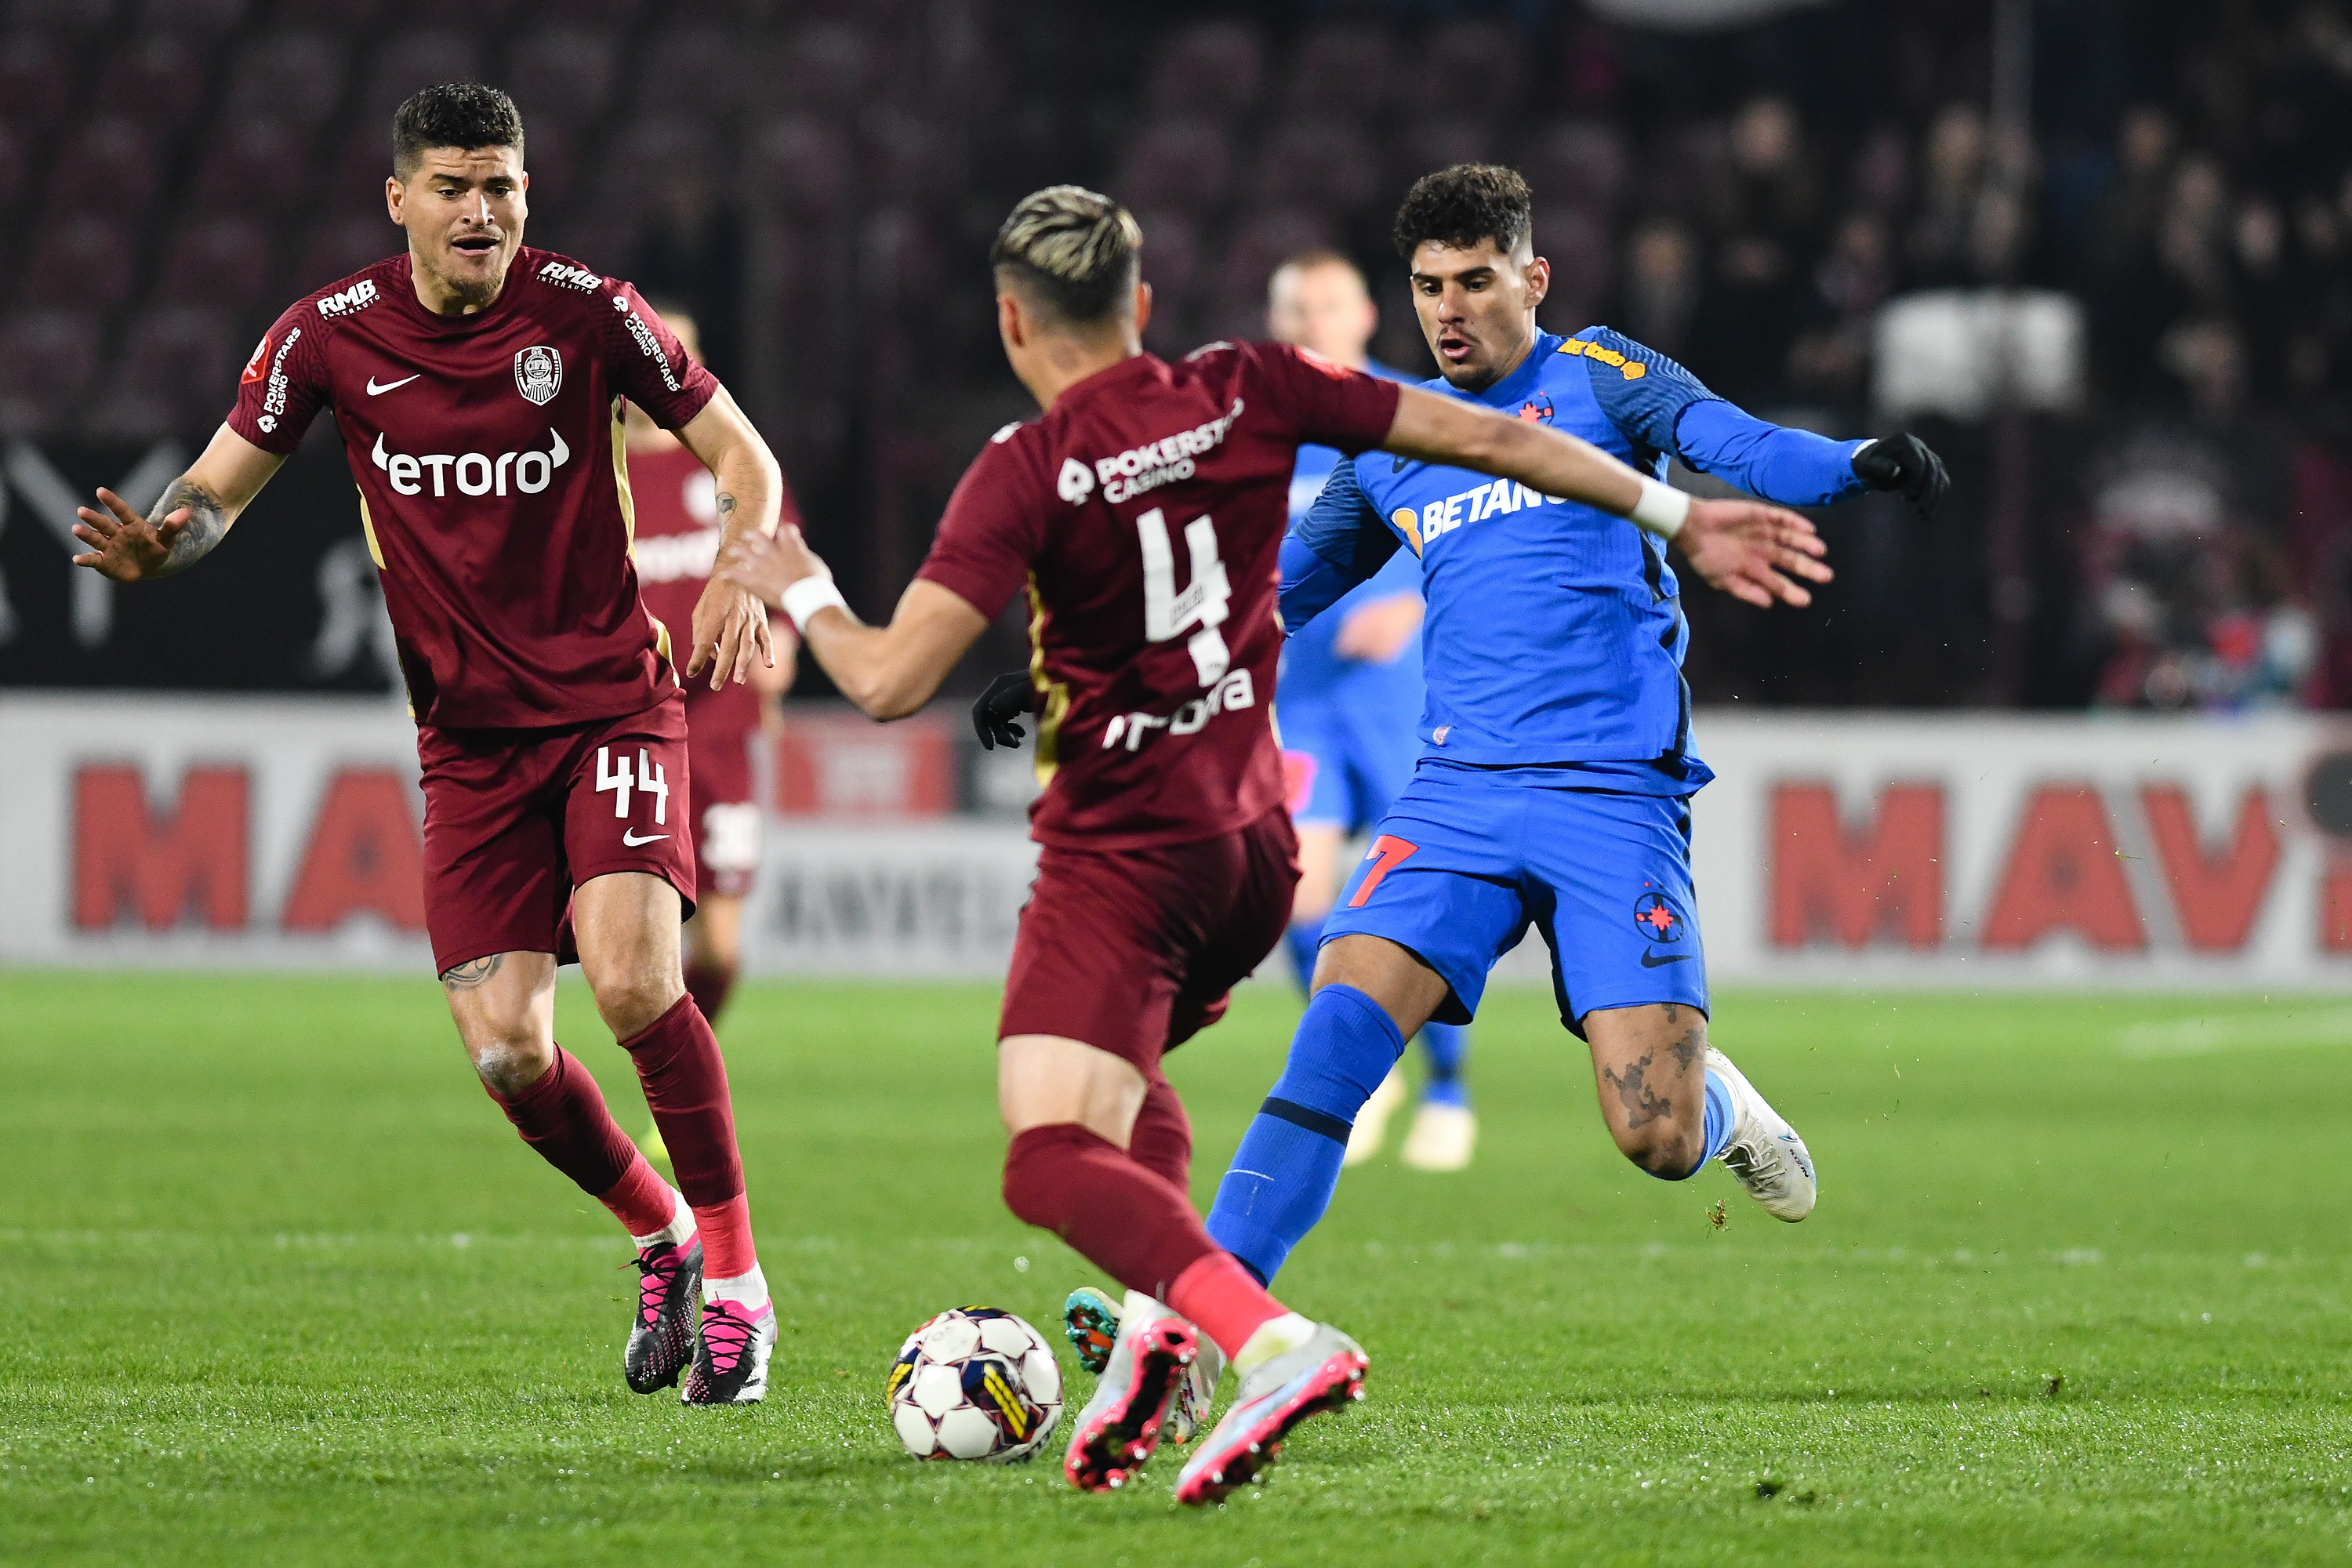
(1667, 1147)
(509, 1060)
(632, 999)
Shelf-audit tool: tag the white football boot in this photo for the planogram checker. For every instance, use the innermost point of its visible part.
(1372, 1122)
(1123, 1423)
(1765, 1152)
(1326, 1372)
(1444, 1137)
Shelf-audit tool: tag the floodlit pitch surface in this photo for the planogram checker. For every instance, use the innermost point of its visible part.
(283, 1287)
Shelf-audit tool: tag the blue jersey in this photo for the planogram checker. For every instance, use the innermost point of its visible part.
(1312, 671)
(1555, 633)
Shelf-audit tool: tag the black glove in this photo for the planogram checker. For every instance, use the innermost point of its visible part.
(1903, 463)
(1007, 698)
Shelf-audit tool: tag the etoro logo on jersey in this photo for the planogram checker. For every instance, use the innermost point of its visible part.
(474, 473)
(538, 374)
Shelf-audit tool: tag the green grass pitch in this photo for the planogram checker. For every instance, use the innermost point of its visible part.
(284, 1289)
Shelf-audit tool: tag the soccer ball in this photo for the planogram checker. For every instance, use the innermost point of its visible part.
(975, 1383)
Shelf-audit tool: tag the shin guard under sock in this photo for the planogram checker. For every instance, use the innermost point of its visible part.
(684, 1080)
(564, 1118)
(1134, 1225)
(1444, 1046)
(1288, 1164)
(709, 984)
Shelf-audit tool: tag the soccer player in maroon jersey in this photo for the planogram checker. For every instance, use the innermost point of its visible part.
(1142, 516)
(678, 534)
(477, 386)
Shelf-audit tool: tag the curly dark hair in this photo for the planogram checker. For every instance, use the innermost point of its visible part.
(463, 114)
(1463, 204)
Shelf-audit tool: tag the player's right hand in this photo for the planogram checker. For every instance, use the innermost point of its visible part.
(124, 545)
(1751, 550)
(1008, 697)
(1905, 464)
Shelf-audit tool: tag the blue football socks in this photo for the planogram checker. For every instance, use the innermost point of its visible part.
(1720, 1117)
(1445, 1046)
(1301, 939)
(1288, 1164)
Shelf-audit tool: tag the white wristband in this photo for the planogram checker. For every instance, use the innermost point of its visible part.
(807, 596)
(1661, 510)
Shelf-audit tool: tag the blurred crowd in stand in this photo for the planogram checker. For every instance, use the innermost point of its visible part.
(819, 181)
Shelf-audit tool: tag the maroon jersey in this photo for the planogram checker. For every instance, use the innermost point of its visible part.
(677, 506)
(1145, 513)
(483, 446)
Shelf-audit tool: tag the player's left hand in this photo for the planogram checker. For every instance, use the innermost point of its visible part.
(1751, 550)
(1008, 697)
(731, 631)
(1906, 464)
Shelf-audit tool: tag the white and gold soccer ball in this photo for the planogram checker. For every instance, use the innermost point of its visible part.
(975, 1382)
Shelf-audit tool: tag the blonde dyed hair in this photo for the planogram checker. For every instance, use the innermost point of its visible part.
(1073, 252)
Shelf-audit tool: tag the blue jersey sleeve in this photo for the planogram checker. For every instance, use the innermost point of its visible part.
(1662, 407)
(1340, 541)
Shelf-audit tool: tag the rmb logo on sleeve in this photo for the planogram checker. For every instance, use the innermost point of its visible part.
(538, 374)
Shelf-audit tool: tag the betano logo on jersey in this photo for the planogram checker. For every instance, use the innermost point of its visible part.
(473, 473)
(349, 301)
(1468, 506)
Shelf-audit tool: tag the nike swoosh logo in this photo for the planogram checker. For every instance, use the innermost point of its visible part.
(1651, 961)
(376, 391)
(629, 837)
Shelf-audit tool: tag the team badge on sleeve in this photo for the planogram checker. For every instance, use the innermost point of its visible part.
(538, 374)
(253, 371)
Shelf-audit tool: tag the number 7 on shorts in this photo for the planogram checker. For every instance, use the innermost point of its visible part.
(1387, 853)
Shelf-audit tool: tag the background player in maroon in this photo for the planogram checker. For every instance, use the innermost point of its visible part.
(476, 386)
(1167, 864)
(678, 534)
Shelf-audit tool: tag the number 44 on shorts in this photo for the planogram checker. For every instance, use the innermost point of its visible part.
(648, 777)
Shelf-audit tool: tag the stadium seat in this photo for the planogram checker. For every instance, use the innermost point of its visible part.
(912, 158)
(411, 61)
(253, 164)
(696, 67)
(336, 249)
(177, 371)
(107, 165)
(803, 163)
(1579, 162)
(1183, 164)
(823, 66)
(51, 355)
(36, 78)
(1467, 67)
(1323, 165)
(563, 74)
(296, 76)
(153, 79)
(552, 158)
(81, 261)
(1341, 69)
(1216, 69)
(226, 260)
(1583, 265)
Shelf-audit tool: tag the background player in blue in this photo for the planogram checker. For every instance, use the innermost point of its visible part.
(1554, 788)
(1349, 705)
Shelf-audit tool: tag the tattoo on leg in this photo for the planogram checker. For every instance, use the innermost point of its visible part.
(472, 972)
(1688, 1048)
(1641, 1104)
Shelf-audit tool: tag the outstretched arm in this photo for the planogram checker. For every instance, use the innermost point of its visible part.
(1748, 549)
(731, 628)
(887, 671)
(194, 515)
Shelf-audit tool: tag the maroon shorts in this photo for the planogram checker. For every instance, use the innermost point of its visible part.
(515, 819)
(1134, 950)
(725, 818)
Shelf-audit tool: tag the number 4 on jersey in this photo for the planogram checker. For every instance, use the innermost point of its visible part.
(1166, 613)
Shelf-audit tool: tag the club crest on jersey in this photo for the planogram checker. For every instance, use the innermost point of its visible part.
(538, 374)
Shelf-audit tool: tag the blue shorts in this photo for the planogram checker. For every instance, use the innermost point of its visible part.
(1468, 857)
(1346, 761)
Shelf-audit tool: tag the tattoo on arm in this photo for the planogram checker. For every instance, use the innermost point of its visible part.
(207, 524)
(725, 504)
(472, 972)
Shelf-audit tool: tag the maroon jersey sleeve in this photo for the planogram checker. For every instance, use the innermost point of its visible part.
(1327, 403)
(994, 525)
(649, 367)
(282, 387)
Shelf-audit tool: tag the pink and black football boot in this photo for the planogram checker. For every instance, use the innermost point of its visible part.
(1125, 1420)
(730, 1354)
(661, 1339)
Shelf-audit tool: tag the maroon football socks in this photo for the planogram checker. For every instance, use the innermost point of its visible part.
(685, 1083)
(1161, 1139)
(563, 1117)
(709, 984)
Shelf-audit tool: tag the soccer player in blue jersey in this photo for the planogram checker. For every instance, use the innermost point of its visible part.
(1349, 706)
(1555, 782)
